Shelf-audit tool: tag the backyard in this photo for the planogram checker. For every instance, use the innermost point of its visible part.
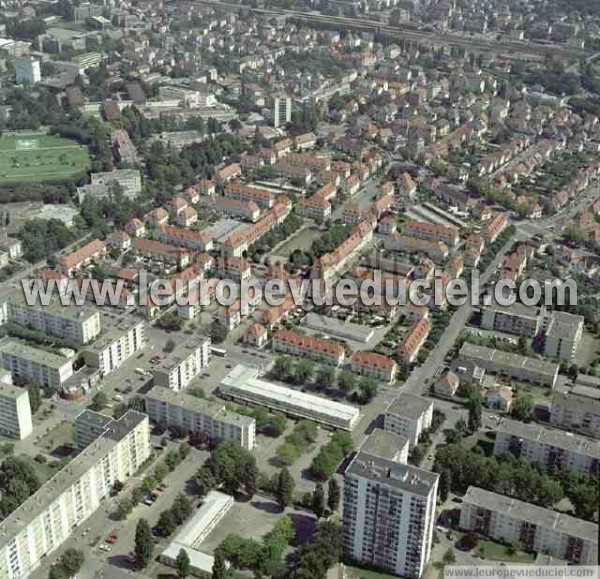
(40, 158)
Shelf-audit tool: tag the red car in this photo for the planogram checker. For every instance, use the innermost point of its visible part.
(112, 537)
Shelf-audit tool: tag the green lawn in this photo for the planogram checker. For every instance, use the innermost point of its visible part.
(40, 158)
(499, 552)
(357, 573)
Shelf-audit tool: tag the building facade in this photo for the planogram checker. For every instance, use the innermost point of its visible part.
(389, 514)
(197, 416)
(409, 415)
(51, 515)
(537, 529)
(182, 365)
(15, 411)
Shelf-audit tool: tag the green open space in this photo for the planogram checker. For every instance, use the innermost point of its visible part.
(498, 552)
(40, 158)
(301, 240)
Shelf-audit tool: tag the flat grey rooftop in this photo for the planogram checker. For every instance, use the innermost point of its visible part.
(198, 405)
(183, 350)
(92, 418)
(402, 477)
(531, 513)
(516, 309)
(338, 328)
(409, 405)
(40, 356)
(384, 444)
(507, 359)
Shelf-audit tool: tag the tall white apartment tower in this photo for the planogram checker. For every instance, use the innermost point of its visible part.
(28, 71)
(389, 514)
(282, 110)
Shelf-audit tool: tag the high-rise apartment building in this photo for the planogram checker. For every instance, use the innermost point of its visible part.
(15, 411)
(282, 111)
(49, 517)
(389, 514)
(28, 71)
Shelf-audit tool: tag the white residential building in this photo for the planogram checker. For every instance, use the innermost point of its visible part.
(15, 411)
(548, 447)
(78, 324)
(282, 111)
(409, 415)
(389, 514)
(34, 364)
(563, 332)
(119, 342)
(517, 319)
(577, 407)
(182, 365)
(537, 529)
(53, 513)
(28, 71)
(194, 415)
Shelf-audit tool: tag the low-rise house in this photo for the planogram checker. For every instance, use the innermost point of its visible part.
(188, 238)
(256, 335)
(414, 339)
(135, 228)
(84, 256)
(499, 397)
(296, 344)
(374, 365)
(447, 384)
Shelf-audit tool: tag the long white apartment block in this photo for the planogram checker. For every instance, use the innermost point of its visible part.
(15, 411)
(79, 324)
(243, 384)
(577, 407)
(389, 514)
(548, 447)
(183, 364)
(194, 415)
(26, 363)
(121, 339)
(537, 529)
(53, 513)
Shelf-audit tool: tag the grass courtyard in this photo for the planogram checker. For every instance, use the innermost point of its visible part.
(40, 158)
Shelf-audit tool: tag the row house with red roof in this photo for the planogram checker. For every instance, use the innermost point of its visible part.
(90, 252)
(436, 250)
(238, 242)
(431, 232)
(262, 197)
(330, 264)
(157, 250)
(188, 238)
(373, 365)
(229, 173)
(315, 208)
(495, 227)
(247, 210)
(414, 340)
(156, 217)
(296, 344)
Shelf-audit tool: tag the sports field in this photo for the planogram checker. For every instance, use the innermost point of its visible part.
(40, 158)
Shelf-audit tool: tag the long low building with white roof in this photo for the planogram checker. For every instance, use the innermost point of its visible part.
(243, 384)
(194, 533)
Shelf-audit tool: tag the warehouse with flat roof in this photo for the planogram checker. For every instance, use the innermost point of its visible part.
(243, 384)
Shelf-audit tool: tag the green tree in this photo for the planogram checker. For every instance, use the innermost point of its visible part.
(318, 501)
(303, 371)
(72, 561)
(445, 484)
(325, 378)
(283, 368)
(166, 524)
(183, 564)
(288, 453)
(449, 557)
(347, 381)
(284, 491)
(333, 494)
(35, 397)
(474, 415)
(99, 401)
(522, 407)
(181, 509)
(219, 568)
(144, 544)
